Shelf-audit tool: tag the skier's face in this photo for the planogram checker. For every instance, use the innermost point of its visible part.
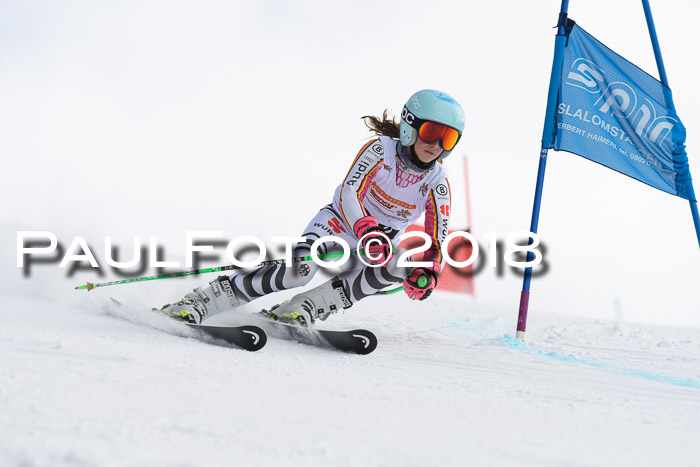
(427, 152)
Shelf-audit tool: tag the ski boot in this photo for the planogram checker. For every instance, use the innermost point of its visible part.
(189, 310)
(200, 304)
(307, 307)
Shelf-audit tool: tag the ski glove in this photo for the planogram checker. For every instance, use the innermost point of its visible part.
(374, 241)
(421, 282)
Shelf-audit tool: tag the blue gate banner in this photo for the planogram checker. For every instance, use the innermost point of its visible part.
(612, 112)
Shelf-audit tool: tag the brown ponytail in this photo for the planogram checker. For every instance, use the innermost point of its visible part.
(384, 126)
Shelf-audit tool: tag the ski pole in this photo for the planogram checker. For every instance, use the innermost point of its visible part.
(390, 291)
(89, 286)
(422, 282)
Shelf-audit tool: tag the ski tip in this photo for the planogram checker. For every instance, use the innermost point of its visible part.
(367, 341)
(258, 338)
(251, 338)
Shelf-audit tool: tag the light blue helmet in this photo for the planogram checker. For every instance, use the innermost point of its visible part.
(432, 105)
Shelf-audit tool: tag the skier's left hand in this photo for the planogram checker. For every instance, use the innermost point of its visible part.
(375, 243)
(421, 282)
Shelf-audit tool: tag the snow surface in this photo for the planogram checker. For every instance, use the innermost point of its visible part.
(448, 385)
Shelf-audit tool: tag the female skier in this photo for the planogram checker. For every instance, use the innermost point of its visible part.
(394, 179)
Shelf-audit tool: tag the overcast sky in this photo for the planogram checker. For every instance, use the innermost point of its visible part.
(153, 118)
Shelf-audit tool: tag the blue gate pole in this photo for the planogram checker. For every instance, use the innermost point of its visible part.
(547, 140)
(664, 81)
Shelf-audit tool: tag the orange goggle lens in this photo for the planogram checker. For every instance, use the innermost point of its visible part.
(430, 132)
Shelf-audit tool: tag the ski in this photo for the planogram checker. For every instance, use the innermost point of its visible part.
(247, 337)
(359, 341)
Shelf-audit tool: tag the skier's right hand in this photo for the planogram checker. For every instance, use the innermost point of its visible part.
(421, 282)
(375, 243)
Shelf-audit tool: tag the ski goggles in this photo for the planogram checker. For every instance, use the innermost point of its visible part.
(429, 132)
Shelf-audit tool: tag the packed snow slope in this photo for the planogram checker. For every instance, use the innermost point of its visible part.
(447, 385)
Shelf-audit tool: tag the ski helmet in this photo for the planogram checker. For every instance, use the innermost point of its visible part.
(434, 106)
